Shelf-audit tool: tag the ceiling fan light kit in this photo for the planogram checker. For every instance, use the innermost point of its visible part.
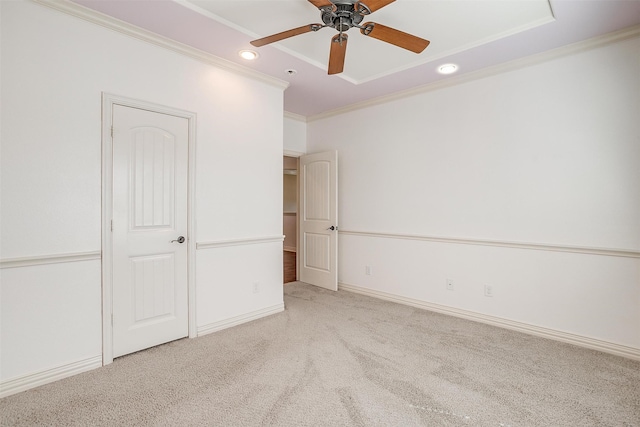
(343, 15)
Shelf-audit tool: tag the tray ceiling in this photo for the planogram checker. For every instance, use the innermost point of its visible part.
(474, 34)
(451, 26)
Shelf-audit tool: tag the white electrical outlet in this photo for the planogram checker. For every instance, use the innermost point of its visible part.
(450, 285)
(256, 287)
(488, 290)
(367, 270)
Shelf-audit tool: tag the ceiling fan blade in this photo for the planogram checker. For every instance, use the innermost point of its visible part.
(374, 5)
(286, 34)
(337, 53)
(321, 3)
(395, 37)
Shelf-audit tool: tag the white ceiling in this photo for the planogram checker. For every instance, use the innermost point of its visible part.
(468, 24)
(474, 34)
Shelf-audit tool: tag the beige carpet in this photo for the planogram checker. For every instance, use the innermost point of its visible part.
(342, 359)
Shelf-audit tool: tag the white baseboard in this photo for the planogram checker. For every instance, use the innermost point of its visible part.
(238, 320)
(26, 382)
(579, 340)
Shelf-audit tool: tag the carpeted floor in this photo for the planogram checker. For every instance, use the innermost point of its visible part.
(343, 359)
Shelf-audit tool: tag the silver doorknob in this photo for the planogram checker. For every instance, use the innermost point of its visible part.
(180, 239)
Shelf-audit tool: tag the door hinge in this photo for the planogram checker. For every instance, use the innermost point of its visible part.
(111, 319)
(111, 225)
(111, 131)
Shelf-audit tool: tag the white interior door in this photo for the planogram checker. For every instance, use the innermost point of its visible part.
(150, 169)
(319, 220)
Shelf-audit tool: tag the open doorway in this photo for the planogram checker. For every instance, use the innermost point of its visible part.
(290, 218)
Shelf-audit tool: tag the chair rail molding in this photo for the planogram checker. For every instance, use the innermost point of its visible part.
(49, 259)
(239, 242)
(625, 253)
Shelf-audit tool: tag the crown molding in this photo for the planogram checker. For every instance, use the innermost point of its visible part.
(571, 49)
(294, 116)
(106, 21)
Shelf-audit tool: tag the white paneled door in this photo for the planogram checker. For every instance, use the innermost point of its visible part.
(150, 168)
(319, 219)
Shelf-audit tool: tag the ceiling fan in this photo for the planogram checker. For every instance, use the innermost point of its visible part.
(343, 15)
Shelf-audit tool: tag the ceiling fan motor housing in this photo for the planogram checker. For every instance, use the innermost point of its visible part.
(342, 16)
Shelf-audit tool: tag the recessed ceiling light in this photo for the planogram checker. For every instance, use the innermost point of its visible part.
(448, 68)
(249, 55)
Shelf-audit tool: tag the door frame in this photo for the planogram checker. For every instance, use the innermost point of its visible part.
(297, 155)
(108, 102)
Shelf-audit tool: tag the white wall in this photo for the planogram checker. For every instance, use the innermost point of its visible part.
(546, 154)
(54, 69)
(295, 135)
